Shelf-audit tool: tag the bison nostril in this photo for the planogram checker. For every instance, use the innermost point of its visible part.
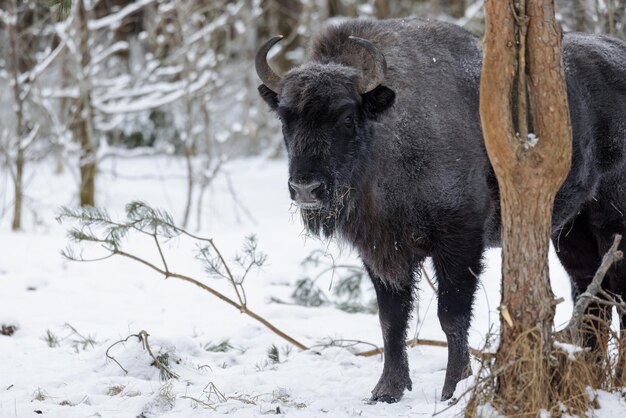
(307, 192)
(319, 190)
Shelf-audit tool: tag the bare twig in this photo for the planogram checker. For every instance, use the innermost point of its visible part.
(572, 331)
(106, 353)
(201, 402)
(428, 279)
(343, 343)
(158, 245)
(142, 336)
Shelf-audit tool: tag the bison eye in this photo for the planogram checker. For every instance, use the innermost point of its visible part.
(349, 121)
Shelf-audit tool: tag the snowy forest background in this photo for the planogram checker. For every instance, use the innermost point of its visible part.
(120, 78)
(112, 101)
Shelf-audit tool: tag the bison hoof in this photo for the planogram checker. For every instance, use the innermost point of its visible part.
(391, 388)
(384, 398)
(447, 393)
(450, 383)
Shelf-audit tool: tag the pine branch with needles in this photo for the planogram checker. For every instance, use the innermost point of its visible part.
(96, 226)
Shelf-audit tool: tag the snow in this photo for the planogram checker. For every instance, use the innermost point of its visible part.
(106, 301)
(570, 349)
(531, 141)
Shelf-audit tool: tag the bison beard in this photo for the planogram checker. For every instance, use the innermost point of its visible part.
(392, 161)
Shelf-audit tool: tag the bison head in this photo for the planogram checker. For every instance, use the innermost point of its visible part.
(327, 110)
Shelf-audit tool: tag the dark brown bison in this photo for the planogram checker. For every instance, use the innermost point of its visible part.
(386, 152)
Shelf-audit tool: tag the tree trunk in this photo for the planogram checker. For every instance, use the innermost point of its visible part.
(19, 191)
(84, 114)
(529, 175)
(334, 8)
(188, 136)
(581, 18)
(64, 106)
(382, 9)
(611, 17)
(20, 128)
(453, 8)
(620, 17)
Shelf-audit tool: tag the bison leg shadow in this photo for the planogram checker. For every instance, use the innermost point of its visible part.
(394, 309)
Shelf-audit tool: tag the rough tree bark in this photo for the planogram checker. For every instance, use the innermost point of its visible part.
(82, 128)
(529, 175)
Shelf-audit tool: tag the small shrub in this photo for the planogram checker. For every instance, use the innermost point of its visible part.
(165, 373)
(307, 293)
(40, 395)
(273, 354)
(51, 339)
(221, 347)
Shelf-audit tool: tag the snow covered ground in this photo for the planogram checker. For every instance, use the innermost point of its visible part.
(47, 368)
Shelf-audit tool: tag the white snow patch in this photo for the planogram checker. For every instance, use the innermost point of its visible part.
(530, 141)
(488, 411)
(570, 349)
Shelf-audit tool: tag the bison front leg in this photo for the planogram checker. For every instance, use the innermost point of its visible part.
(394, 308)
(457, 279)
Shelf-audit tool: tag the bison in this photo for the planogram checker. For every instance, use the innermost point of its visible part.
(383, 135)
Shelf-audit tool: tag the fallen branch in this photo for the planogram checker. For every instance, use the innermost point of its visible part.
(419, 341)
(241, 308)
(410, 343)
(152, 223)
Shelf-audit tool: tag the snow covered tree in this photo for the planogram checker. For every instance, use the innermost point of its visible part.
(14, 32)
(26, 57)
(83, 124)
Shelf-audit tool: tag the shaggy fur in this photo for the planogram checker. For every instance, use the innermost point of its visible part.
(406, 175)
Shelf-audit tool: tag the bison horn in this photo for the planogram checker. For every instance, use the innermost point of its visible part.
(377, 75)
(263, 70)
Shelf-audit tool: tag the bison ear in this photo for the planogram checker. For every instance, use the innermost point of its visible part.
(270, 97)
(378, 100)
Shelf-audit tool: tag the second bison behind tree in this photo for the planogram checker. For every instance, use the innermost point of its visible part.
(386, 152)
